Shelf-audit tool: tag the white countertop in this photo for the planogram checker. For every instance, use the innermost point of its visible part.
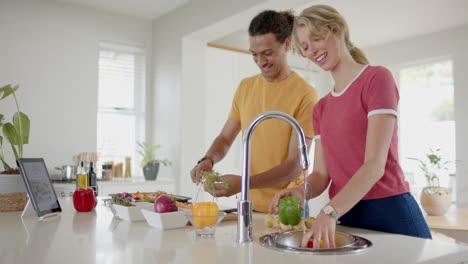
(97, 237)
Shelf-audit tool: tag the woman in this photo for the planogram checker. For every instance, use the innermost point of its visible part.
(356, 138)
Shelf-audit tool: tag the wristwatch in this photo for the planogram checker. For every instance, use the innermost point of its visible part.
(206, 158)
(330, 211)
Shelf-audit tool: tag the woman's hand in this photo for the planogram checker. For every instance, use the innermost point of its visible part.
(324, 228)
(299, 192)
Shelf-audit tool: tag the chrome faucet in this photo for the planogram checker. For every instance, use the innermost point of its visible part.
(244, 205)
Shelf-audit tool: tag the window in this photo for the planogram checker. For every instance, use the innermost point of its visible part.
(427, 117)
(120, 115)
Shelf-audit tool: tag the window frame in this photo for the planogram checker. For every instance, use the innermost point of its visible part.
(396, 71)
(139, 103)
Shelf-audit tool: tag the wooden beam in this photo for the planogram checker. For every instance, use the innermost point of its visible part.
(228, 48)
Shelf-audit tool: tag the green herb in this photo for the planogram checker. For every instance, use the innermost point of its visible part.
(210, 178)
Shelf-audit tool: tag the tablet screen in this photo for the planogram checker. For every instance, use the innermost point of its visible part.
(39, 187)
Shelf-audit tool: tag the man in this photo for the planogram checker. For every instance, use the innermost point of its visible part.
(274, 155)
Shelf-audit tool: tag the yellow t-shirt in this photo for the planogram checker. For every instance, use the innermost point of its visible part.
(270, 139)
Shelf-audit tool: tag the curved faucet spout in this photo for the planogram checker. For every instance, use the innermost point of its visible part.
(244, 205)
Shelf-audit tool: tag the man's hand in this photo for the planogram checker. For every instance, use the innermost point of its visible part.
(299, 192)
(205, 165)
(231, 186)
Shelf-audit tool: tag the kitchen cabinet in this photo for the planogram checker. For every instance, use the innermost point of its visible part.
(97, 237)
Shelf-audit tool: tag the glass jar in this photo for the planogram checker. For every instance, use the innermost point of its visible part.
(107, 172)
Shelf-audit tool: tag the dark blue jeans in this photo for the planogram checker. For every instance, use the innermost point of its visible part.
(398, 214)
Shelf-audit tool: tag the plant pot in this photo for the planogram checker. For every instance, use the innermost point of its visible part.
(13, 195)
(150, 171)
(11, 183)
(436, 200)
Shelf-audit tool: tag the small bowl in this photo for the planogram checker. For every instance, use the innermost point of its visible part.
(204, 225)
(131, 213)
(164, 221)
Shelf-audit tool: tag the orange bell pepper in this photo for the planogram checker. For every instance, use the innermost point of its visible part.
(205, 214)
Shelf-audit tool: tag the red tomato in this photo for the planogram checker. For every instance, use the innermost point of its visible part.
(310, 244)
(84, 199)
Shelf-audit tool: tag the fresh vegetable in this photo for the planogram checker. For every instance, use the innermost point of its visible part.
(149, 200)
(138, 196)
(178, 204)
(124, 199)
(205, 214)
(289, 210)
(210, 178)
(165, 204)
(310, 244)
(184, 205)
(84, 199)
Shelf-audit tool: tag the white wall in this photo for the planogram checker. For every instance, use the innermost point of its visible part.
(452, 43)
(51, 50)
(224, 71)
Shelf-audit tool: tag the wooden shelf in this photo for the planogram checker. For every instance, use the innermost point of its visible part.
(455, 219)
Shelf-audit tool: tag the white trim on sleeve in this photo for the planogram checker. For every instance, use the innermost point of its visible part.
(317, 137)
(382, 111)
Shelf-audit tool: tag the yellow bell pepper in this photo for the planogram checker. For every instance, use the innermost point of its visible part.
(205, 214)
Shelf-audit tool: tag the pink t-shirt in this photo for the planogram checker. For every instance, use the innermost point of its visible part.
(340, 122)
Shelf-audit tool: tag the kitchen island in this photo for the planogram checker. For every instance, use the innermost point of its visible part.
(98, 237)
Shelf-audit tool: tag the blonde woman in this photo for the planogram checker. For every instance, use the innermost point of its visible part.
(356, 137)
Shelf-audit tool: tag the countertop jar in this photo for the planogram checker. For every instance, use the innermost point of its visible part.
(107, 172)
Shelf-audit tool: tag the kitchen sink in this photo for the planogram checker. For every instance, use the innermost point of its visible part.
(290, 242)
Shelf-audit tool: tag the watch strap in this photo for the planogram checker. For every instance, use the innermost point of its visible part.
(206, 158)
(331, 211)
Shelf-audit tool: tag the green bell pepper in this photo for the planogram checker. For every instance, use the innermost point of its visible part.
(289, 210)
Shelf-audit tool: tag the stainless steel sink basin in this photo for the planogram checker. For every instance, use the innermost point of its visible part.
(290, 242)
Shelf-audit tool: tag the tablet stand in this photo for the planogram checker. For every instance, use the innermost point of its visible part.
(29, 211)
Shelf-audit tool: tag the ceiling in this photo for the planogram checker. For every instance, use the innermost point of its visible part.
(146, 9)
(374, 22)
(371, 22)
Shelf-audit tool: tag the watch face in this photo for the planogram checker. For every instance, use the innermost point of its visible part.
(328, 209)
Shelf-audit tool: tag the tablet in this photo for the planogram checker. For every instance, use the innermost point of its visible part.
(40, 189)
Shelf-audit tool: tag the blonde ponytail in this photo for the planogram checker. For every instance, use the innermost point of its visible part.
(357, 54)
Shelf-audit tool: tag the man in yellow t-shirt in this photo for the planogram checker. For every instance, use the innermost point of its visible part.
(274, 155)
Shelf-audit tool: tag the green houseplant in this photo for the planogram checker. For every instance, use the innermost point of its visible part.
(13, 195)
(15, 132)
(150, 163)
(435, 200)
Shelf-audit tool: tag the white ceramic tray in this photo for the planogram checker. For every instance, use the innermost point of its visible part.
(164, 221)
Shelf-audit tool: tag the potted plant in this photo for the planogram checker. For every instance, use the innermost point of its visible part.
(435, 200)
(150, 163)
(16, 133)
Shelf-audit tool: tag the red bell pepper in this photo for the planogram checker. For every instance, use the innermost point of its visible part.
(84, 199)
